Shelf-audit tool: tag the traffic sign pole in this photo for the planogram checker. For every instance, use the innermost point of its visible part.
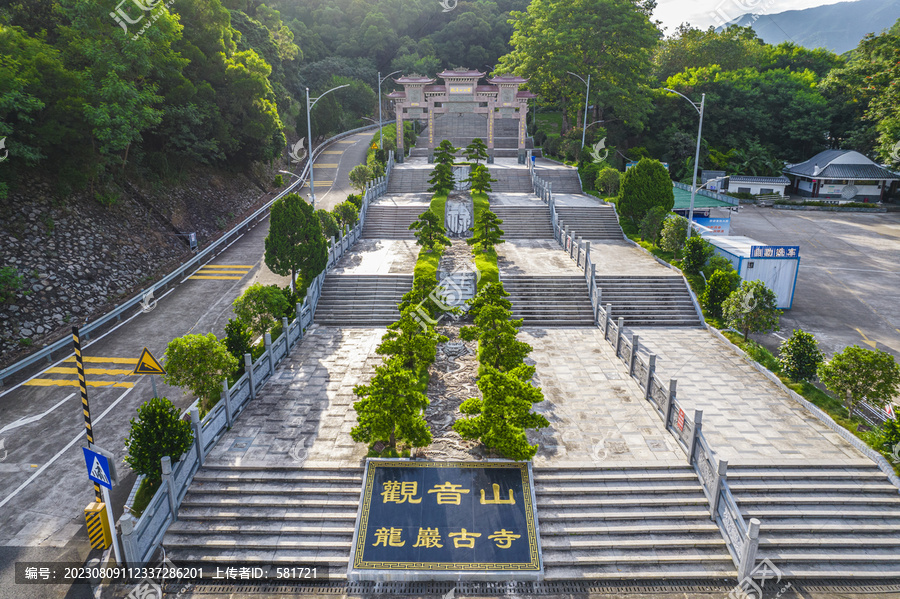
(153, 380)
(85, 408)
(112, 525)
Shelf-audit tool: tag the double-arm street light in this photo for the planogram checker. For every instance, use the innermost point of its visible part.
(586, 96)
(380, 81)
(699, 109)
(310, 102)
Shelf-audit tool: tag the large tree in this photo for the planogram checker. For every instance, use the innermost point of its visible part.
(295, 243)
(610, 40)
(645, 186)
(856, 374)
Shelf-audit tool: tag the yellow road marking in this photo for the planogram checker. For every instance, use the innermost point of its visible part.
(866, 340)
(320, 183)
(95, 359)
(110, 372)
(333, 152)
(204, 271)
(223, 278)
(325, 165)
(347, 141)
(228, 266)
(65, 383)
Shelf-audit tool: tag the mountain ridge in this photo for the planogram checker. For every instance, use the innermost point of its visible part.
(838, 27)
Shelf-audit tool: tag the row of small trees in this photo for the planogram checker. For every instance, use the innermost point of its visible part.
(442, 179)
(501, 416)
(854, 374)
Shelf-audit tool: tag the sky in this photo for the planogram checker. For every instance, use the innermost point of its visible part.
(703, 13)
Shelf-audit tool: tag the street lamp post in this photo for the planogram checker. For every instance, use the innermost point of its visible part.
(699, 110)
(380, 81)
(586, 96)
(309, 104)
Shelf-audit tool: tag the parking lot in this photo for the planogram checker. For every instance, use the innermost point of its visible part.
(848, 289)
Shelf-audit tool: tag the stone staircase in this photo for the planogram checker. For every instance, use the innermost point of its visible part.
(524, 222)
(649, 300)
(361, 300)
(564, 180)
(408, 180)
(510, 180)
(628, 522)
(273, 515)
(549, 301)
(823, 520)
(591, 222)
(391, 222)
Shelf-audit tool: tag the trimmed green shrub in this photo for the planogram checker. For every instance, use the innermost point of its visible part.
(800, 356)
(856, 374)
(645, 185)
(157, 432)
(696, 252)
(752, 309)
(674, 232)
(652, 223)
(720, 285)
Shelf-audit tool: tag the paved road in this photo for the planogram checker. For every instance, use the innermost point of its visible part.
(43, 487)
(849, 274)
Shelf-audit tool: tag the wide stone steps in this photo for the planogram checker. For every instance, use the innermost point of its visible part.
(823, 521)
(524, 222)
(634, 523)
(361, 300)
(510, 180)
(590, 222)
(648, 300)
(549, 301)
(563, 180)
(268, 516)
(392, 222)
(408, 180)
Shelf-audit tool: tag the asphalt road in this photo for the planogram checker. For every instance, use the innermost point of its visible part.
(43, 484)
(849, 277)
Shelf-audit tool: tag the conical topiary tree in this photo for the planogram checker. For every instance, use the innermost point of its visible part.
(487, 231)
(429, 231)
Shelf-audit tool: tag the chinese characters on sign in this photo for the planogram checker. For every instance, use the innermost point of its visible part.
(775, 251)
(446, 516)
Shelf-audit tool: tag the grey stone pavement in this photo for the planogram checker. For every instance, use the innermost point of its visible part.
(746, 418)
(379, 257)
(303, 416)
(596, 412)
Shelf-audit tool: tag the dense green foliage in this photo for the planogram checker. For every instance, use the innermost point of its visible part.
(295, 243)
(476, 151)
(199, 363)
(857, 374)
(10, 283)
(674, 233)
(346, 213)
(799, 356)
(429, 231)
(752, 309)
(414, 347)
(721, 284)
(608, 181)
(260, 307)
(480, 179)
(695, 253)
(487, 232)
(329, 224)
(652, 223)
(391, 408)
(157, 432)
(238, 342)
(644, 186)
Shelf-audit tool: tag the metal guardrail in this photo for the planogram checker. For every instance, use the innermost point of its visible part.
(116, 313)
(142, 537)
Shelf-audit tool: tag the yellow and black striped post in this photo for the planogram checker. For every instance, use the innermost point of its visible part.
(89, 432)
(97, 526)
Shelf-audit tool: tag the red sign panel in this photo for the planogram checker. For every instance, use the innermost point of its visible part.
(680, 422)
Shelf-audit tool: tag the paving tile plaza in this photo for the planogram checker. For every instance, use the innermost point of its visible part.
(597, 413)
(379, 257)
(746, 418)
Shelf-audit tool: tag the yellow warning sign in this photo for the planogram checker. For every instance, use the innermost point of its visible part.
(147, 364)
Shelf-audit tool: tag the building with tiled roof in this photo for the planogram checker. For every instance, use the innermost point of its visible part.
(841, 174)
